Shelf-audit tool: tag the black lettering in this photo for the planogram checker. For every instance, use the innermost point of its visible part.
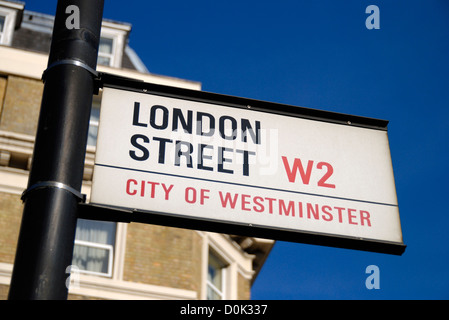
(162, 143)
(222, 130)
(199, 124)
(254, 135)
(136, 116)
(179, 117)
(222, 160)
(164, 123)
(187, 154)
(246, 154)
(145, 152)
(202, 156)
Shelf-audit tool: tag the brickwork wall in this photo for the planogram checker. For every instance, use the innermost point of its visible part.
(10, 218)
(21, 105)
(3, 82)
(163, 256)
(78, 297)
(154, 255)
(4, 292)
(244, 288)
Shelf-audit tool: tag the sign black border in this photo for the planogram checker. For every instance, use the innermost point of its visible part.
(118, 214)
(117, 82)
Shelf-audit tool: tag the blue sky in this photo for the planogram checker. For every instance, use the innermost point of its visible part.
(319, 54)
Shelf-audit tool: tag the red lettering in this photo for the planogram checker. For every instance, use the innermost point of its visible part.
(340, 218)
(142, 188)
(128, 186)
(297, 166)
(203, 195)
(364, 216)
(291, 208)
(330, 171)
(167, 191)
(351, 216)
(153, 187)
(228, 199)
(258, 202)
(192, 198)
(326, 213)
(270, 205)
(284, 207)
(245, 202)
(300, 209)
(315, 212)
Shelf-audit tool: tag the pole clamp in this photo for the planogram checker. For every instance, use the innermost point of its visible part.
(70, 62)
(53, 184)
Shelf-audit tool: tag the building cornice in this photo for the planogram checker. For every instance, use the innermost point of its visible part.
(32, 65)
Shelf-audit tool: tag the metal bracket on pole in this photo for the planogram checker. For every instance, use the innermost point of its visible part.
(70, 62)
(54, 184)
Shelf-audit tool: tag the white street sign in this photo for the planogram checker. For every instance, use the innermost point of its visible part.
(239, 165)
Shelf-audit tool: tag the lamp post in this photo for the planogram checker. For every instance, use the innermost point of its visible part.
(47, 232)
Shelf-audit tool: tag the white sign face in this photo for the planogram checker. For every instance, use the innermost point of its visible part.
(208, 161)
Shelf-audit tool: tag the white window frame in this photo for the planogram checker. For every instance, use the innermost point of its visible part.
(107, 247)
(94, 123)
(111, 55)
(9, 12)
(118, 34)
(116, 261)
(221, 292)
(237, 263)
(96, 104)
(2, 27)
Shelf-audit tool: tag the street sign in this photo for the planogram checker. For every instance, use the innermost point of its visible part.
(243, 162)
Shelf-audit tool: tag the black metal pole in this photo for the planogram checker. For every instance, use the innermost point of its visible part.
(47, 233)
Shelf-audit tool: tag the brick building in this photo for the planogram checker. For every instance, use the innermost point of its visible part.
(111, 260)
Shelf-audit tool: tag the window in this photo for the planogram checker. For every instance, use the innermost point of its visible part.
(7, 20)
(215, 277)
(94, 247)
(9, 12)
(2, 23)
(106, 51)
(112, 43)
(93, 123)
(2, 28)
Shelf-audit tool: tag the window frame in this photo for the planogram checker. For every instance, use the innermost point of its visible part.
(118, 34)
(238, 264)
(94, 123)
(96, 245)
(4, 22)
(110, 246)
(111, 56)
(10, 16)
(221, 292)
